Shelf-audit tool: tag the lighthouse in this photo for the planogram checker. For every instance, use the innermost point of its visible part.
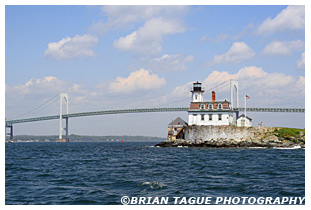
(197, 92)
(214, 112)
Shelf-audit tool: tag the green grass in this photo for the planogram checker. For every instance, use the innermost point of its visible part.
(287, 132)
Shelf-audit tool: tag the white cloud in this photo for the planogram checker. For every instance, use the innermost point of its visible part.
(167, 63)
(23, 98)
(136, 81)
(123, 16)
(126, 43)
(217, 39)
(251, 72)
(301, 62)
(148, 38)
(289, 19)
(221, 37)
(37, 91)
(204, 38)
(181, 91)
(244, 31)
(300, 84)
(265, 89)
(254, 78)
(44, 85)
(283, 48)
(69, 48)
(238, 52)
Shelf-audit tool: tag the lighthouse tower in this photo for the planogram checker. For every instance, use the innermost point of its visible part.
(197, 92)
(214, 112)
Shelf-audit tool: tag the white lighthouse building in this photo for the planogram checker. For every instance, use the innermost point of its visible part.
(209, 112)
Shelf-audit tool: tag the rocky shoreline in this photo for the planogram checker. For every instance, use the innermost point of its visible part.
(227, 144)
(271, 138)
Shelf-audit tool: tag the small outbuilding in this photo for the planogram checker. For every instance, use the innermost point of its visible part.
(243, 121)
(176, 129)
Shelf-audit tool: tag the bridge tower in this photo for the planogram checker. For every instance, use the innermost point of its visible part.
(65, 97)
(10, 133)
(234, 88)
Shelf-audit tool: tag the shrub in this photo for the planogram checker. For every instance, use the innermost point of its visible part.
(287, 132)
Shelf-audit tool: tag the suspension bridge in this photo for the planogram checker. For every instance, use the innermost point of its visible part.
(63, 96)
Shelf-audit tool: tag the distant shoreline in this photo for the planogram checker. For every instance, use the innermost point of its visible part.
(85, 138)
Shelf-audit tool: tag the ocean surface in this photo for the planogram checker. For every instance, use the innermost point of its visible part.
(103, 172)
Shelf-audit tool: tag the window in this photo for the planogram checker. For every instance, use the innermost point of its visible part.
(219, 106)
(202, 117)
(210, 106)
(220, 117)
(196, 97)
(210, 117)
(202, 106)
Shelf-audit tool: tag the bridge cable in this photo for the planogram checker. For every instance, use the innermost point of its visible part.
(40, 106)
(218, 86)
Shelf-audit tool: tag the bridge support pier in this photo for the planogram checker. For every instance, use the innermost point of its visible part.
(10, 133)
(67, 137)
(61, 138)
(65, 97)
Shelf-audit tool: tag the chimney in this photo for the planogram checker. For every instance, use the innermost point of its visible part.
(213, 96)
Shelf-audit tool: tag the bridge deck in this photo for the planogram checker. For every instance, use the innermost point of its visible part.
(124, 111)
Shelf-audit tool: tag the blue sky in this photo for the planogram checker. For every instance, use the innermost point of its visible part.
(115, 57)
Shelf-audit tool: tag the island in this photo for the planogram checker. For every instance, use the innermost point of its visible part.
(231, 136)
(217, 123)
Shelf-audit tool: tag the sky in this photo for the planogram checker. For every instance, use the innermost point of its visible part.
(122, 57)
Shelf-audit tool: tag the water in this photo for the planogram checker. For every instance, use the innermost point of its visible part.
(103, 172)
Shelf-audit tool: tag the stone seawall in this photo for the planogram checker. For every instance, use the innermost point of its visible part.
(198, 134)
(231, 136)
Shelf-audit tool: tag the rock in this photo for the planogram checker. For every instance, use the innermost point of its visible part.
(271, 138)
(251, 137)
(287, 143)
(164, 144)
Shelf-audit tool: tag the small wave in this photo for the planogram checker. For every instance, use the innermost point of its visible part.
(257, 147)
(26, 158)
(236, 173)
(153, 185)
(294, 147)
